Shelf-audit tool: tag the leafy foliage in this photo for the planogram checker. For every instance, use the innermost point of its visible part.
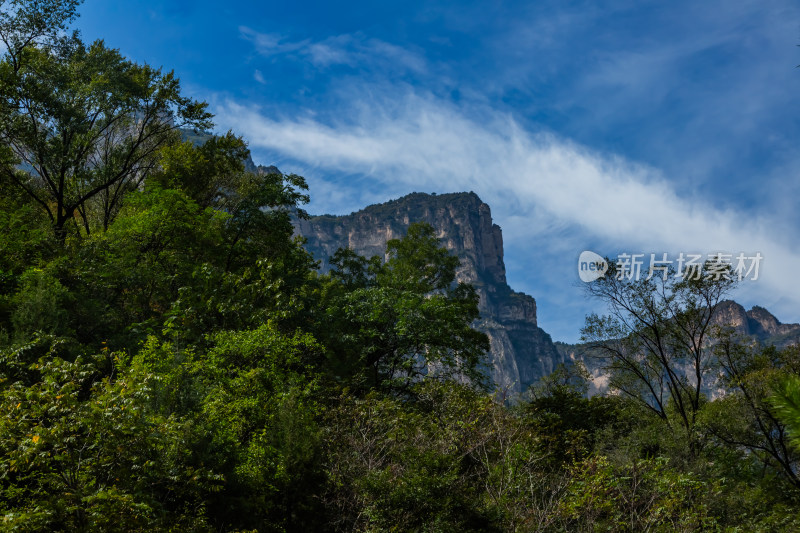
(84, 452)
(405, 319)
(786, 402)
(87, 122)
(170, 359)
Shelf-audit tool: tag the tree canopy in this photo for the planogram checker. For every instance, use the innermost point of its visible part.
(85, 123)
(172, 359)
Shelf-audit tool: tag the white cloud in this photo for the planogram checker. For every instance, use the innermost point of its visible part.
(270, 43)
(419, 143)
(352, 50)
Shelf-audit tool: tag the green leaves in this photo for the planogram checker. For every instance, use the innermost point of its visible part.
(649, 497)
(41, 305)
(85, 452)
(404, 320)
(418, 262)
(786, 402)
(88, 124)
(409, 467)
(25, 23)
(256, 425)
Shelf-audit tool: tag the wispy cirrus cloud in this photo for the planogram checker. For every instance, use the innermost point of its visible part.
(354, 50)
(529, 106)
(701, 94)
(544, 189)
(425, 143)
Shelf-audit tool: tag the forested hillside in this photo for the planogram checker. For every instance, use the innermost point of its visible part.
(171, 358)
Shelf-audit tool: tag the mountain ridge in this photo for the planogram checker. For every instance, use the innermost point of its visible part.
(757, 323)
(521, 352)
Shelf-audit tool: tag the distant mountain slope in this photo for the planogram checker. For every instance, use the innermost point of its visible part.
(521, 352)
(759, 324)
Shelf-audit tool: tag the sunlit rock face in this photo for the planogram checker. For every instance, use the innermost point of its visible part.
(758, 323)
(521, 352)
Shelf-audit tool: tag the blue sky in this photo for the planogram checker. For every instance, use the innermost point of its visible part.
(640, 127)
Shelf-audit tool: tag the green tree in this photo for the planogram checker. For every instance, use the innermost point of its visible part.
(656, 343)
(447, 462)
(207, 172)
(390, 324)
(85, 453)
(85, 123)
(167, 263)
(567, 422)
(647, 496)
(26, 23)
(124, 280)
(252, 399)
(786, 401)
(746, 417)
(26, 242)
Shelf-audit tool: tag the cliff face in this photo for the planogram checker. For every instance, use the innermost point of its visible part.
(758, 323)
(521, 352)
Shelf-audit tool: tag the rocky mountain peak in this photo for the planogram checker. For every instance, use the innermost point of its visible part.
(758, 323)
(762, 322)
(462, 221)
(520, 351)
(732, 314)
